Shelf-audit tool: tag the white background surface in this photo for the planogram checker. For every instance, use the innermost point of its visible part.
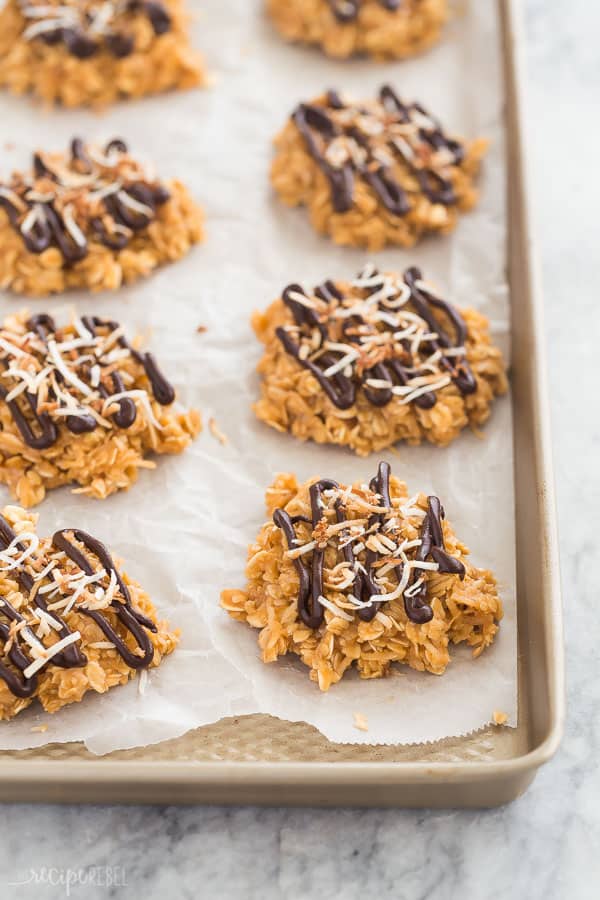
(544, 846)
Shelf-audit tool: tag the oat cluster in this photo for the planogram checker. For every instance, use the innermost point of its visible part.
(374, 172)
(362, 576)
(94, 217)
(85, 27)
(70, 620)
(378, 360)
(383, 29)
(79, 404)
(94, 52)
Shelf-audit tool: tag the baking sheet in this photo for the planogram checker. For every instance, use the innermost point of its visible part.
(184, 528)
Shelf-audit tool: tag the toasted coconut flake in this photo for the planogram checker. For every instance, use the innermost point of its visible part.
(372, 328)
(217, 433)
(333, 608)
(50, 652)
(8, 560)
(64, 370)
(360, 721)
(143, 682)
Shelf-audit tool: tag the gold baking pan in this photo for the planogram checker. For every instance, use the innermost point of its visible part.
(261, 760)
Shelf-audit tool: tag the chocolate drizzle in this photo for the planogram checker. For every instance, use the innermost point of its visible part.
(365, 590)
(386, 143)
(37, 428)
(112, 205)
(47, 431)
(87, 28)
(162, 390)
(383, 366)
(347, 10)
(312, 122)
(69, 658)
(130, 620)
(339, 388)
(15, 680)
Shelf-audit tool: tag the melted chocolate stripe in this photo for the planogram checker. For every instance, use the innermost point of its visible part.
(432, 184)
(319, 129)
(347, 10)
(379, 485)
(162, 390)
(79, 154)
(338, 388)
(341, 180)
(84, 44)
(71, 251)
(39, 431)
(459, 369)
(44, 325)
(69, 658)
(380, 178)
(342, 389)
(48, 432)
(432, 544)
(310, 609)
(132, 620)
(114, 241)
(15, 681)
(41, 169)
(284, 521)
(127, 412)
(49, 229)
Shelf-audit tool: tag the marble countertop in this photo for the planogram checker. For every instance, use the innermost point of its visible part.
(546, 844)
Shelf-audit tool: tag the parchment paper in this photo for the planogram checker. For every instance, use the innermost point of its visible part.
(184, 528)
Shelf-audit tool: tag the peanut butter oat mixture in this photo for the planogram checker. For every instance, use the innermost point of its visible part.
(94, 52)
(374, 172)
(70, 620)
(383, 29)
(80, 404)
(374, 361)
(93, 218)
(362, 576)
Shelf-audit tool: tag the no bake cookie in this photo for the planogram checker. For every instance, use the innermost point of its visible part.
(94, 52)
(384, 29)
(70, 620)
(362, 576)
(374, 361)
(80, 404)
(374, 172)
(93, 218)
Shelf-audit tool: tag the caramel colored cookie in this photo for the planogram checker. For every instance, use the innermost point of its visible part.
(81, 405)
(374, 172)
(383, 29)
(93, 218)
(71, 621)
(360, 576)
(374, 361)
(94, 52)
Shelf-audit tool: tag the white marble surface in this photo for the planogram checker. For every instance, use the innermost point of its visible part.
(546, 844)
